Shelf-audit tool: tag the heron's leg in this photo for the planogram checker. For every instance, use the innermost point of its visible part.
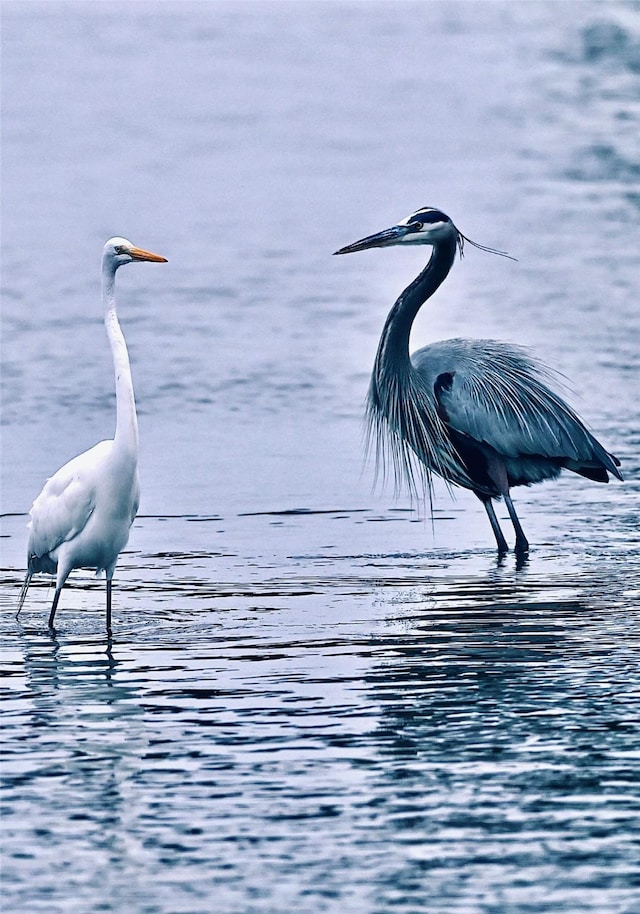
(521, 541)
(54, 605)
(109, 606)
(23, 592)
(495, 526)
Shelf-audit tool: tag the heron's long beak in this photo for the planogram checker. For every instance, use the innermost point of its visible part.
(139, 254)
(380, 240)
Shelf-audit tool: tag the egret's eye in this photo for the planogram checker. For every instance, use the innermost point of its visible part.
(120, 249)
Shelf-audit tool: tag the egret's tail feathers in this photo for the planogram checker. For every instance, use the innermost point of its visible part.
(23, 592)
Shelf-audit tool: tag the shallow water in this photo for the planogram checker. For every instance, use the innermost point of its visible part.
(317, 698)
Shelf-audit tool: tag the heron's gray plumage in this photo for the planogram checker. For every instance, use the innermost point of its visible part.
(479, 413)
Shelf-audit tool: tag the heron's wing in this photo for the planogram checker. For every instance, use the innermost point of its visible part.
(66, 502)
(498, 395)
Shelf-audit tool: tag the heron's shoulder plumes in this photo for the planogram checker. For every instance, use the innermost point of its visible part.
(407, 435)
(494, 394)
(502, 396)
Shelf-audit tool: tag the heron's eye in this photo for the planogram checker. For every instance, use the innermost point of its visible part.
(417, 226)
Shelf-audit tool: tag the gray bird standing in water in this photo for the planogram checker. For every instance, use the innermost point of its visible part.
(478, 413)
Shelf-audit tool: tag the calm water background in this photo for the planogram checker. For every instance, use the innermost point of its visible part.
(316, 698)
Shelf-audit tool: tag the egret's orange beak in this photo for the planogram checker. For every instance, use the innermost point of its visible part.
(139, 254)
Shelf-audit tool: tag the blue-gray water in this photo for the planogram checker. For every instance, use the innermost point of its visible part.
(317, 699)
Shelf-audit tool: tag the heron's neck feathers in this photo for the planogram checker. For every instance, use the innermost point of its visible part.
(403, 421)
(126, 435)
(393, 350)
(408, 435)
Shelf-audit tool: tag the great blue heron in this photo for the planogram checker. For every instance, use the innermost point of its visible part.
(83, 515)
(478, 413)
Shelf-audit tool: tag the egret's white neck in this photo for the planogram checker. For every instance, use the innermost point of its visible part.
(126, 436)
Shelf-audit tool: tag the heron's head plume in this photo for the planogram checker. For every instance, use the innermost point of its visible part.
(426, 226)
(118, 251)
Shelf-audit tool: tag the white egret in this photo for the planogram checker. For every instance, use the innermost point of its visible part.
(83, 515)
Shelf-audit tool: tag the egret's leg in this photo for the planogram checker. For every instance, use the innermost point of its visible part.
(54, 605)
(108, 606)
(495, 526)
(23, 592)
(521, 541)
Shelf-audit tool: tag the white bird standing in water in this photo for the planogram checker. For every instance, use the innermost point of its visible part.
(83, 515)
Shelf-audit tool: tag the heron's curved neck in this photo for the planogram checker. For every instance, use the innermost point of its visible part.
(126, 436)
(393, 349)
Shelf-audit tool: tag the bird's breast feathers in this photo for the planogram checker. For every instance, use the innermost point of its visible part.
(90, 482)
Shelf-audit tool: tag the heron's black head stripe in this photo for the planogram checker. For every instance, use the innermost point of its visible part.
(429, 216)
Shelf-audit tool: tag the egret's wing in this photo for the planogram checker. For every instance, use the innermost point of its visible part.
(136, 499)
(66, 502)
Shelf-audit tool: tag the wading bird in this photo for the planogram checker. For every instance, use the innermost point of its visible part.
(478, 413)
(82, 517)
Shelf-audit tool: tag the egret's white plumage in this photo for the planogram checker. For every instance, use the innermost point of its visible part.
(83, 515)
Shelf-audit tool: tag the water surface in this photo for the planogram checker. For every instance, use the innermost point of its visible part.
(317, 697)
